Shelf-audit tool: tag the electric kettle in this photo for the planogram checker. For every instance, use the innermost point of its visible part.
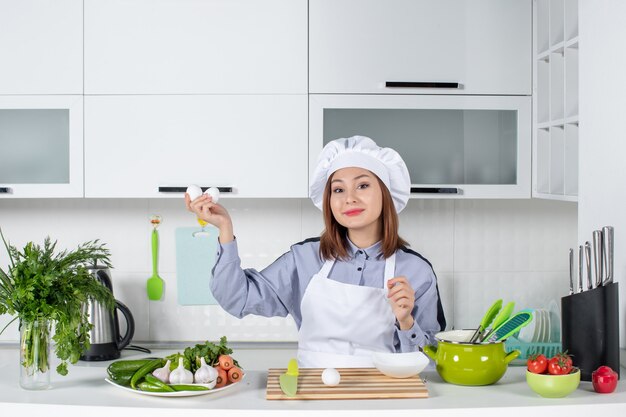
(106, 342)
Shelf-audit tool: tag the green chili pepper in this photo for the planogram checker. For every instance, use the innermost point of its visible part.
(184, 387)
(145, 386)
(144, 370)
(151, 379)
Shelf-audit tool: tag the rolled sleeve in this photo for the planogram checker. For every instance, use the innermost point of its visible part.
(412, 339)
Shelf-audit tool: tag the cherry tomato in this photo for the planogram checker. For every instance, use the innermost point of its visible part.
(560, 364)
(537, 363)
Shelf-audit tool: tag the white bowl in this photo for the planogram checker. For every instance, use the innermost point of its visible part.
(400, 365)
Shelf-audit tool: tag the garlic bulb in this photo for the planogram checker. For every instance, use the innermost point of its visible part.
(163, 373)
(180, 375)
(205, 374)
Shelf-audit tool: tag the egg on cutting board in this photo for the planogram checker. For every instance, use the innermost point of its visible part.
(331, 377)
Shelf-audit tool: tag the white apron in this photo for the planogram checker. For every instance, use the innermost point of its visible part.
(342, 324)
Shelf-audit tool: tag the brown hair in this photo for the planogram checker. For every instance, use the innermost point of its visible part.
(334, 239)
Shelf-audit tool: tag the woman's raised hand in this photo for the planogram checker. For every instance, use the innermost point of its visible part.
(212, 213)
(402, 298)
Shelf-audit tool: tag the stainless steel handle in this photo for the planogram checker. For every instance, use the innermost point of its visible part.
(607, 240)
(581, 270)
(421, 84)
(598, 257)
(183, 189)
(588, 264)
(571, 271)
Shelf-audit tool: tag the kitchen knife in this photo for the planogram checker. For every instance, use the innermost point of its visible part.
(597, 256)
(607, 244)
(581, 269)
(571, 271)
(588, 264)
(289, 380)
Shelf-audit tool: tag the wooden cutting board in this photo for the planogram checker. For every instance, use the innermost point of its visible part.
(356, 383)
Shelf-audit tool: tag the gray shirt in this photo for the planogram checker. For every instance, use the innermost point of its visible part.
(278, 289)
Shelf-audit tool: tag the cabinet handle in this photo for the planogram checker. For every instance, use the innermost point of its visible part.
(6, 190)
(183, 189)
(426, 190)
(420, 84)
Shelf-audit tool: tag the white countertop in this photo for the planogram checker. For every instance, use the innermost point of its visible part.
(84, 392)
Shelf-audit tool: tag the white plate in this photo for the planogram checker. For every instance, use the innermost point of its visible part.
(527, 332)
(555, 321)
(538, 326)
(177, 393)
(546, 333)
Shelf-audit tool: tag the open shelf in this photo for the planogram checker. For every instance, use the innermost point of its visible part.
(555, 97)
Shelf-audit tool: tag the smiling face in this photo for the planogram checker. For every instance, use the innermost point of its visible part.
(356, 200)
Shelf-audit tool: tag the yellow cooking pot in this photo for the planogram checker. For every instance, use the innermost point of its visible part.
(464, 363)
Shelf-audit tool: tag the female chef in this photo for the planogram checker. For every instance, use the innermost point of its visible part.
(355, 289)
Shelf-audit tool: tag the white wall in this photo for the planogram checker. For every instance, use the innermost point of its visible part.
(481, 250)
(602, 146)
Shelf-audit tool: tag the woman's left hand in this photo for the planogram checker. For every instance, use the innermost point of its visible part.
(402, 298)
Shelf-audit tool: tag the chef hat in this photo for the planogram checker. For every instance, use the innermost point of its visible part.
(362, 152)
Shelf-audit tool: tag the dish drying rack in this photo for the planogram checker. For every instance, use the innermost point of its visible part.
(549, 349)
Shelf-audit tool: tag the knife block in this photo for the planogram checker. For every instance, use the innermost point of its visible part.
(590, 329)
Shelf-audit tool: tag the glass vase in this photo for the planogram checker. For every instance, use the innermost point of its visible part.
(35, 354)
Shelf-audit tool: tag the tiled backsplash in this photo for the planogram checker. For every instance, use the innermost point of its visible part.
(481, 250)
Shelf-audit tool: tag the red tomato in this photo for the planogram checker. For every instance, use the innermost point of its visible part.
(537, 363)
(560, 364)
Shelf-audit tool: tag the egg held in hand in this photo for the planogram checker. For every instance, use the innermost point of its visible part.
(214, 192)
(331, 377)
(194, 191)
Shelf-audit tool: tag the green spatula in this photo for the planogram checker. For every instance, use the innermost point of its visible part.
(511, 326)
(486, 321)
(155, 282)
(502, 317)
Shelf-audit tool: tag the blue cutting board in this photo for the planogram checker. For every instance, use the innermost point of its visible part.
(195, 258)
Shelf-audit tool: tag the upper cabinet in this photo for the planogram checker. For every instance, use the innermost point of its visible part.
(41, 146)
(420, 46)
(248, 145)
(555, 118)
(41, 47)
(453, 146)
(195, 47)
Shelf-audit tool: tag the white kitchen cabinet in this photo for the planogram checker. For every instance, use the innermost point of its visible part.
(357, 46)
(41, 47)
(41, 146)
(256, 144)
(555, 115)
(195, 47)
(454, 146)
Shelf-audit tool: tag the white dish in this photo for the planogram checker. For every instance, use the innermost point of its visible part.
(527, 333)
(546, 334)
(545, 329)
(555, 321)
(177, 393)
(400, 365)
